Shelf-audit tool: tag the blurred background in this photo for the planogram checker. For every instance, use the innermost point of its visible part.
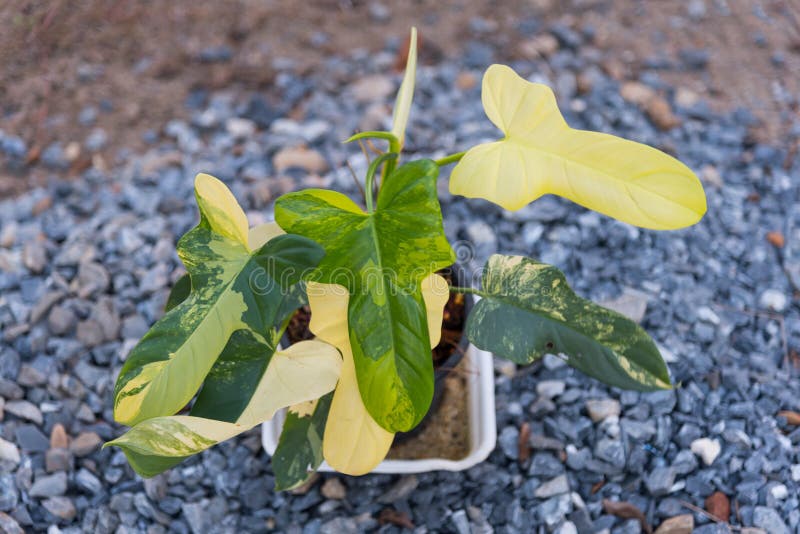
(120, 69)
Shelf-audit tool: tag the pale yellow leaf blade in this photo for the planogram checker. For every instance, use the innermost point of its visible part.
(354, 443)
(258, 236)
(220, 209)
(435, 293)
(405, 95)
(305, 371)
(541, 154)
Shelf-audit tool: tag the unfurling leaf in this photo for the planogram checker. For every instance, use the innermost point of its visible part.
(381, 258)
(541, 155)
(528, 310)
(233, 288)
(402, 104)
(305, 371)
(354, 443)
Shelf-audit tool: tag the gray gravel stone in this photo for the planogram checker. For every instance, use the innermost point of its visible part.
(49, 485)
(769, 520)
(660, 480)
(555, 486)
(8, 493)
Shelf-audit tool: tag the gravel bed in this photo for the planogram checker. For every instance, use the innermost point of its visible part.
(86, 264)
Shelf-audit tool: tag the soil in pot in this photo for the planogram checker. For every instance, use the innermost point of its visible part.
(444, 433)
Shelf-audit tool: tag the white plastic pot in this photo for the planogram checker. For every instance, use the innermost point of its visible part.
(482, 424)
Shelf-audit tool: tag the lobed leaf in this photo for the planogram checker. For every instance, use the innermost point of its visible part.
(232, 289)
(540, 154)
(305, 371)
(528, 310)
(380, 258)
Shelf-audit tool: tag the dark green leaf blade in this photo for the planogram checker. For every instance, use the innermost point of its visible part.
(528, 310)
(233, 379)
(299, 451)
(179, 292)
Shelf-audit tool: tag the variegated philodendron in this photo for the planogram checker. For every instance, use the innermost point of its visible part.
(376, 304)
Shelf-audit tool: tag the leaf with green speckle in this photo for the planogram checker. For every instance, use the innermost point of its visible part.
(528, 310)
(299, 451)
(304, 372)
(381, 258)
(233, 287)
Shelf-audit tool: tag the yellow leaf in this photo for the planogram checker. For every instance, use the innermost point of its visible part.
(353, 442)
(541, 154)
(402, 104)
(220, 209)
(258, 236)
(305, 371)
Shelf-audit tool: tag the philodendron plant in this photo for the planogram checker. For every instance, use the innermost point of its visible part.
(369, 276)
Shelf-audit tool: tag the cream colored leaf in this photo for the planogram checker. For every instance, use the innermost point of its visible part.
(295, 377)
(402, 104)
(220, 208)
(541, 154)
(305, 371)
(258, 236)
(354, 443)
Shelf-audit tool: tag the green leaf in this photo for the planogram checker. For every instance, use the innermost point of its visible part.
(304, 372)
(528, 310)
(230, 383)
(380, 258)
(299, 451)
(179, 292)
(372, 134)
(233, 289)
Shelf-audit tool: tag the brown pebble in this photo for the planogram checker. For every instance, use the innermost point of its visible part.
(58, 437)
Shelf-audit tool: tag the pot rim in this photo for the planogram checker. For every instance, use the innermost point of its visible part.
(481, 416)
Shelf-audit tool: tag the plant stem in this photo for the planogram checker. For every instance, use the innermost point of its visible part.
(373, 167)
(394, 146)
(472, 290)
(452, 158)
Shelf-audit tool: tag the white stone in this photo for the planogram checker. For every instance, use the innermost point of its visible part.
(556, 486)
(9, 452)
(553, 362)
(550, 388)
(240, 128)
(774, 300)
(600, 409)
(779, 492)
(707, 315)
(707, 449)
(505, 367)
(567, 527)
(796, 472)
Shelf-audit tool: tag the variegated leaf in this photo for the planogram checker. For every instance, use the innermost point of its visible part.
(528, 310)
(540, 154)
(299, 451)
(305, 371)
(354, 443)
(232, 288)
(381, 258)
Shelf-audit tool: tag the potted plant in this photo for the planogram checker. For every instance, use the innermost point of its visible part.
(368, 275)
